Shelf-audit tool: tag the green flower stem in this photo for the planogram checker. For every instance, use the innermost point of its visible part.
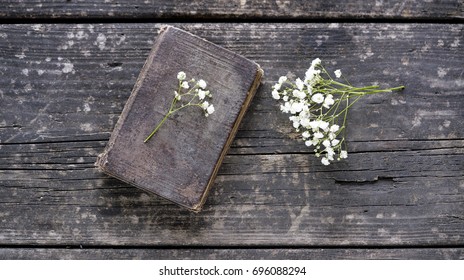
(158, 126)
(173, 110)
(191, 95)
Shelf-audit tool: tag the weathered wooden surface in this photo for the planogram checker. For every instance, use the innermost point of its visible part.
(230, 253)
(235, 9)
(62, 88)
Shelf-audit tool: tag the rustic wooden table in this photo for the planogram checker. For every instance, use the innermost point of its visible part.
(67, 68)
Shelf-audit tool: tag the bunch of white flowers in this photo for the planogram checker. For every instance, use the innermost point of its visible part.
(316, 103)
(188, 93)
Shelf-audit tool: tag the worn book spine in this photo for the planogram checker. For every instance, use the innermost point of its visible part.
(181, 161)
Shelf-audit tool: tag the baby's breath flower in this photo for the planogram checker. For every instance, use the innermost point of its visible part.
(185, 85)
(343, 154)
(201, 84)
(181, 76)
(285, 108)
(317, 104)
(325, 161)
(296, 107)
(328, 101)
(318, 98)
(334, 128)
(205, 105)
(318, 135)
(201, 94)
(299, 94)
(299, 83)
(210, 109)
(305, 122)
(177, 96)
(323, 125)
(314, 125)
(194, 96)
(275, 94)
(315, 62)
(327, 143)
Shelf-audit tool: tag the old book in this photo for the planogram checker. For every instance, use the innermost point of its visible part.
(182, 159)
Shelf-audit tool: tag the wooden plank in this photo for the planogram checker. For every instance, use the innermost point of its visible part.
(231, 254)
(208, 9)
(63, 87)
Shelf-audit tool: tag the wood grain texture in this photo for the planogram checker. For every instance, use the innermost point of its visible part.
(231, 254)
(236, 9)
(63, 86)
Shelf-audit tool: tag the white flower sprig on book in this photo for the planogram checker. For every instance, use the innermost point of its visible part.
(316, 105)
(188, 93)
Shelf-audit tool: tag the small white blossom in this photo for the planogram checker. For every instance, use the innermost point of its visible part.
(286, 107)
(205, 105)
(328, 101)
(210, 109)
(308, 143)
(296, 124)
(201, 94)
(306, 134)
(318, 98)
(334, 128)
(326, 143)
(335, 142)
(201, 84)
(315, 62)
(318, 135)
(325, 161)
(282, 79)
(330, 152)
(338, 73)
(305, 122)
(309, 75)
(296, 107)
(299, 83)
(185, 85)
(181, 76)
(323, 125)
(343, 154)
(299, 94)
(314, 125)
(275, 94)
(177, 95)
(277, 86)
(296, 121)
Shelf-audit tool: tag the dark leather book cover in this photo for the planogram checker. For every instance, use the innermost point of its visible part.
(182, 159)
